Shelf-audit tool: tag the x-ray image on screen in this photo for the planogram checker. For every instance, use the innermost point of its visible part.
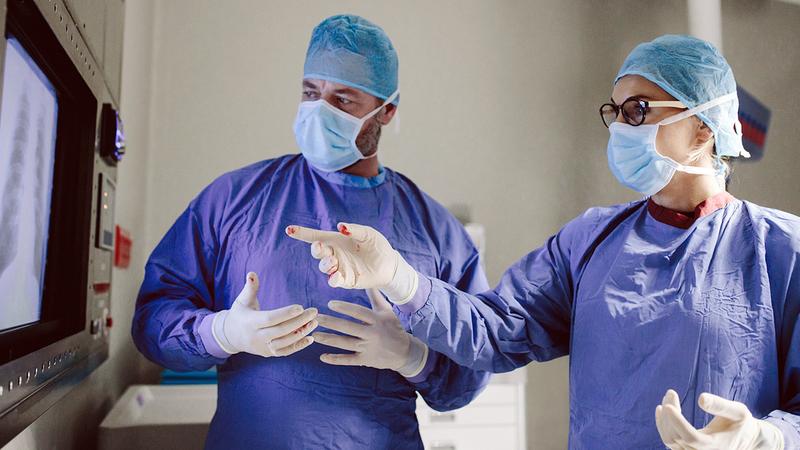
(27, 153)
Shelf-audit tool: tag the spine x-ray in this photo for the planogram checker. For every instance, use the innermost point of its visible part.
(27, 153)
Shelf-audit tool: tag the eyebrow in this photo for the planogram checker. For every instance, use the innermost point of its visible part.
(349, 91)
(344, 90)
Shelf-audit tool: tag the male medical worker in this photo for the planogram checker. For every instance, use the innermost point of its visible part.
(679, 311)
(276, 390)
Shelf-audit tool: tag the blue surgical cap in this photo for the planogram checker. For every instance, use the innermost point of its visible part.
(353, 51)
(694, 72)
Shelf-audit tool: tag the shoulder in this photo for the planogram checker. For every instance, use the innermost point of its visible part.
(426, 206)
(775, 226)
(596, 219)
(414, 207)
(243, 181)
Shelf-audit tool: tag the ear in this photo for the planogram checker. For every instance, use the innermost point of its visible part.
(386, 114)
(704, 135)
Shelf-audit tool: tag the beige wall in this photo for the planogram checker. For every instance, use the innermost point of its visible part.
(72, 422)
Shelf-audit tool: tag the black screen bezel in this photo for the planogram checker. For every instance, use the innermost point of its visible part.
(66, 270)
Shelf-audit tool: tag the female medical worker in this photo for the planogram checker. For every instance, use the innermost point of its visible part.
(690, 291)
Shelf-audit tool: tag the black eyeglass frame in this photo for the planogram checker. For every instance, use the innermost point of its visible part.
(644, 105)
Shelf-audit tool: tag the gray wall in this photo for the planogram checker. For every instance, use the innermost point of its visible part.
(498, 112)
(72, 422)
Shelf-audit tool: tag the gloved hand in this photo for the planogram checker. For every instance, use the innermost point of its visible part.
(359, 257)
(734, 427)
(279, 332)
(377, 340)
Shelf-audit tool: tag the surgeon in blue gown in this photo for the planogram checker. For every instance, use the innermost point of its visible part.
(679, 311)
(275, 391)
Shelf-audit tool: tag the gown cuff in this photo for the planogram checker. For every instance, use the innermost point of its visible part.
(419, 298)
(430, 364)
(785, 422)
(207, 336)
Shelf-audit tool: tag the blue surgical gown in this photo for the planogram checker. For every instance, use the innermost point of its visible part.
(237, 225)
(641, 307)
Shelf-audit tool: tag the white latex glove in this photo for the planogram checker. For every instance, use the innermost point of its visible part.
(377, 340)
(278, 332)
(359, 257)
(733, 426)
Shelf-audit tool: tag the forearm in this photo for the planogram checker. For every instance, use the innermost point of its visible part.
(449, 386)
(454, 323)
(176, 334)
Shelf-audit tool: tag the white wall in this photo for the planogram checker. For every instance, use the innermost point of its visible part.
(498, 111)
(72, 422)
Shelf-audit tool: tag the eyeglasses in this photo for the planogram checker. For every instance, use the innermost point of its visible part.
(634, 110)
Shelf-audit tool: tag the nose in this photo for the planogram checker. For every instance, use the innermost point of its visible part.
(328, 97)
(620, 117)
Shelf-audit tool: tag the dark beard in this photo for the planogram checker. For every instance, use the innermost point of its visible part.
(367, 140)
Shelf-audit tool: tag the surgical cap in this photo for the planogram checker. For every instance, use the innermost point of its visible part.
(694, 72)
(353, 51)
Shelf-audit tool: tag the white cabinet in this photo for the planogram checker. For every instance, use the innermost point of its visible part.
(495, 419)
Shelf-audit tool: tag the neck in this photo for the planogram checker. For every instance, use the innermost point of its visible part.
(686, 191)
(366, 168)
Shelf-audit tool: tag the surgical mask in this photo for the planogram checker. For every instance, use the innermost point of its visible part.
(327, 135)
(635, 161)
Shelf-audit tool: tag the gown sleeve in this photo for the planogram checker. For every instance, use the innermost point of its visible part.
(526, 317)
(447, 385)
(174, 308)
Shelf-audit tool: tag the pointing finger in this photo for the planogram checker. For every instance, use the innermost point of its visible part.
(309, 235)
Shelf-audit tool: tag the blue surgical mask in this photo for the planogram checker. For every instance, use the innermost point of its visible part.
(327, 135)
(635, 161)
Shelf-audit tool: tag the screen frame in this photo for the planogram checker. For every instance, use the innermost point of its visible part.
(63, 308)
(13, 47)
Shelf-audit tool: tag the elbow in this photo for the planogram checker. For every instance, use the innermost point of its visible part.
(453, 403)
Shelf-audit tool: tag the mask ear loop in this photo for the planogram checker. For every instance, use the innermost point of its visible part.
(719, 170)
(699, 108)
(372, 114)
(379, 108)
